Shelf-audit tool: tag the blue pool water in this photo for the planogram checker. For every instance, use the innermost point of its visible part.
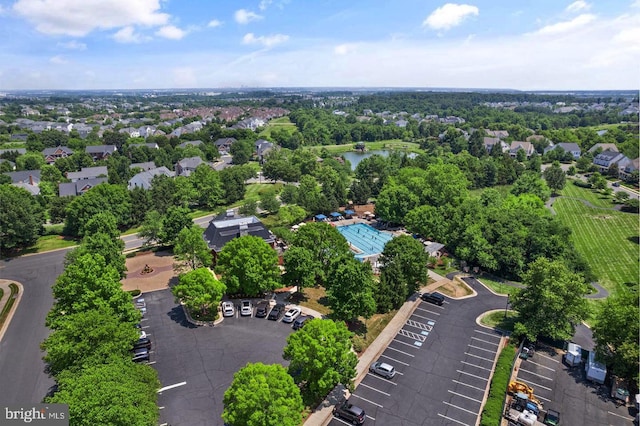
(365, 238)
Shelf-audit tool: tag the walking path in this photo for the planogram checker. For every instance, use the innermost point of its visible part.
(6, 294)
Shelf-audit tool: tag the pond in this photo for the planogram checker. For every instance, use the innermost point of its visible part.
(355, 157)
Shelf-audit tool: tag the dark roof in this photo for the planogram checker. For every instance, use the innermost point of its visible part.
(24, 176)
(76, 188)
(228, 226)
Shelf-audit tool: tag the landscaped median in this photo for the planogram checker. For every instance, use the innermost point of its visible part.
(8, 300)
(492, 411)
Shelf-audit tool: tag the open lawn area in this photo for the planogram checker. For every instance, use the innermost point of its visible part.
(607, 239)
(392, 144)
(594, 197)
(280, 123)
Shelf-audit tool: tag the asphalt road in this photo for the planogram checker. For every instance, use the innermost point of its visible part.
(22, 377)
(132, 241)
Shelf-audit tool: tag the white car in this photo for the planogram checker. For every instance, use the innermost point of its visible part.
(143, 334)
(291, 314)
(383, 369)
(227, 309)
(246, 308)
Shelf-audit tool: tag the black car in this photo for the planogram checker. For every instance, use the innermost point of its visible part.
(350, 412)
(434, 297)
(143, 342)
(262, 308)
(301, 321)
(140, 355)
(277, 312)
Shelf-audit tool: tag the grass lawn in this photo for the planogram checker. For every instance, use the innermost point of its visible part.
(497, 285)
(52, 242)
(281, 123)
(594, 197)
(316, 299)
(392, 144)
(254, 190)
(498, 320)
(607, 239)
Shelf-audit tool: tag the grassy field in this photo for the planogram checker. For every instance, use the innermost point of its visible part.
(594, 197)
(281, 123)
(52, 242)
(607, 239)
(392, 144)
(497, 286)
(498, 320)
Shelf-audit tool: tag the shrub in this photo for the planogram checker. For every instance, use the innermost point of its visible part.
(492, 412)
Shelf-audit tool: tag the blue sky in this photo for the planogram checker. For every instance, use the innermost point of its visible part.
(130, 44)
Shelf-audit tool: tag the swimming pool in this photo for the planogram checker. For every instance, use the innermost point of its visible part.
(365, 239)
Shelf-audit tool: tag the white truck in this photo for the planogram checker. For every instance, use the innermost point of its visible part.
(573, 357)
(596, 371)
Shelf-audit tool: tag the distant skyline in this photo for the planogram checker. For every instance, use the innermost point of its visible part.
(147, 44)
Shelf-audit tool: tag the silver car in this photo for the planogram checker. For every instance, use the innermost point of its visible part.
(246, 308)
(383, 369)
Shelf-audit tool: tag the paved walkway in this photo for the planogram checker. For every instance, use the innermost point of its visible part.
(6, 294)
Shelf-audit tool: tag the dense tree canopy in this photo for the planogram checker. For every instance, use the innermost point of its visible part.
(301, 268)
(114, 199)
(191, 248)
(350, 290)
(21, 218)
(199, 290)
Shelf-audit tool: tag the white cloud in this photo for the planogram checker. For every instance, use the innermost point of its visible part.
(244, 16)
(171, 32)
(79, 17)
(58, 60)
(567, 26)
(73, 45)
(344, 49)
(266, 41)
(264, 4)
(214, 23)
(635, 3)
(578, 6)
(129, 35)
(449, 16)
(184, 77)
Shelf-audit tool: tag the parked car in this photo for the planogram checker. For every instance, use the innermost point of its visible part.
(142, 334)
(291, 314)
(301, 321)
(143, 342)
(350, 412)
(140, 355)
(434, 297)
(383, 369)
(616, 184)
(262, 308)
(552, 418)
(246, 308)
(227, 309)
(276, 312)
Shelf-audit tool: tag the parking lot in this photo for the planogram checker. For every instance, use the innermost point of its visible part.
(566, 390)
(443, 361)
(196, 364)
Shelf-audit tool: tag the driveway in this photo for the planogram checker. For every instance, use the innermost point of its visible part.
(200, 361)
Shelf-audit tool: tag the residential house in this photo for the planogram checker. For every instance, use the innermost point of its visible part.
(500, 134)
(186, 166)
(130, 131)
(629, 168)
(26, 179)
(604, 146)
(570, 147)
(100, 152)
(228, 226)
(144, 178)
(143, 166)
(20, 151)
(224, 144)
(79, 187)
(489, 143)
(12, 165)
(52, 154)
(88, 173)
(516, 146)
(401, 123)
(262, 149)
(434, 249)
(606, 159)
(195, 143)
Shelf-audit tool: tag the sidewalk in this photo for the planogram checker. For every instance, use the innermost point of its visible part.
(323, 415)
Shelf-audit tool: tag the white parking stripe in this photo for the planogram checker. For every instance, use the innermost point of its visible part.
(622, 417)
(426, 318)
(533, 384)
(468, 385)
(486, 341)
(398, 350)
(145, 327)
(483, 349)
(425, 310)
(171, 387)
(411, 335)
(337, 419)
(407, 344)
(144, 319)
(476, 356)
(365, 399)
(374, 389)
(548, 357)
(473, 375)
(540, 365)
(453, 420)
(542, 397)
(418, 324)
(151, 363)
(382, 378)
(393, 359)
(464, 396)
(488, 334)
(536, 374)
(436, 306)
(476, 366)
(369, 417)
(460, 408)
(160, 408)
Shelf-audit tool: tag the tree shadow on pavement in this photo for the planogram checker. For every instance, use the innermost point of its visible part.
(177, 315)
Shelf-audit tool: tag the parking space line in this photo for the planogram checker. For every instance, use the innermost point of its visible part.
(144, 319)
(536, 374)
(160, 408)
(369, 417)
(468, 385)
(151, 362)
(453, 420)
(145, 327)
(460, 408)
(472, 375)
(393, 359)
(622, 417)
(365, 399)
(483, 349)
(529, 382)
(341, 421)
(171, 387)
(422, 309)
(436, 306)
(407, 344)
(540, 365)
(426, 318)
(476, 366)
(488, 334)
(411, 335)
(542, 397)
(374, 389)
(382, 378)
(417, 324)
(477, 356)
(548, 357)
(398, 350)
(464, 396)
(486, 341)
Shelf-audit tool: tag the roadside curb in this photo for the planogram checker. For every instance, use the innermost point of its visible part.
(5, 285)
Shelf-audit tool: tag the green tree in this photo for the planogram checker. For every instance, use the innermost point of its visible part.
(360, 191)
(616, 333)
(199, 290)
(120, 393)
(300, 267)
(403, 269)
(248, 208)
(114, 199)
(262, 395)
(108, 247)
(21, 218)
(555, 177)
(30, 161)
(320, 357)
(192, 249)
(394, 202)
(309, 195)
(208, 186)
(530, 183)
(174, 221)
(350, 290)
(291, 214)
(88, 338)
(241, 151)
(269, 202)
(552, 302)
(289, 194)
(428, 221)
(151, 228)
(233, 182)
(248, 265)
